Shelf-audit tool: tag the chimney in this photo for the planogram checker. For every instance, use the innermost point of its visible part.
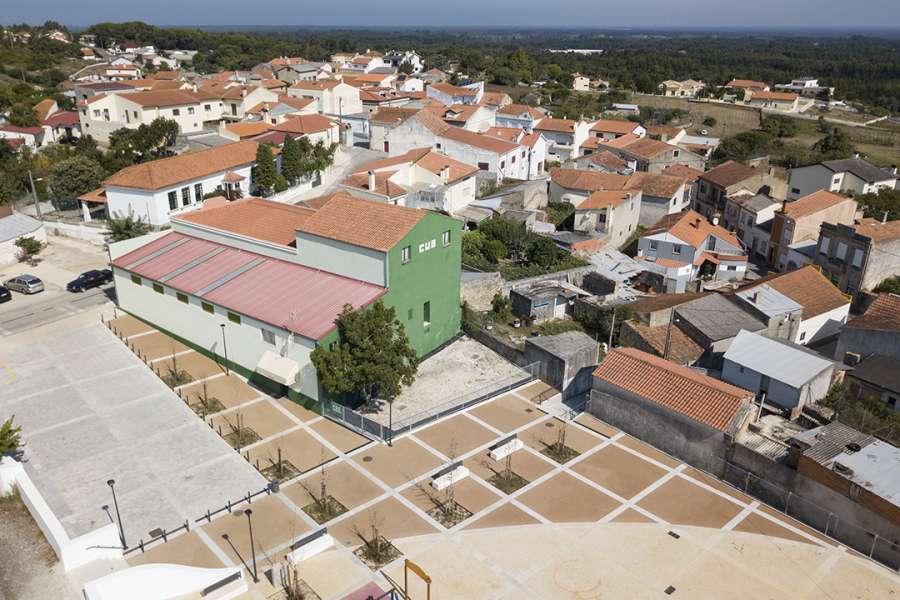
(445, 174)
(371, 180)
(856, 155)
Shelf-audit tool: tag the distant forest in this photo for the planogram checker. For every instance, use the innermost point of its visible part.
(864, 69)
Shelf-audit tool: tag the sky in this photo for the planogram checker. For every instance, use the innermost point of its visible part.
(780, 14)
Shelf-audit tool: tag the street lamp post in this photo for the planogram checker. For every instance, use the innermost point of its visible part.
(112, 486)
(249, 512)
(225, 348)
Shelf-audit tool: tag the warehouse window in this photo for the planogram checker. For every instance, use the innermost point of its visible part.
(268, 336)
(234, 318)
(426, 314)
(405, 254)
(445, 238)
(207, 307)
(181, 297)
(136, 279)
(158, 288)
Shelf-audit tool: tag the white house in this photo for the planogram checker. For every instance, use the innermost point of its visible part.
(518, 115)
(581, 83)
(421, 178)
(332, 96)
(565, 137)
(611, 216)
(782, 101)
(159, 189)
(474, 117)
(609, 129)
(449, 95)
(32, 137)
(398, 58)
(102, 114)
(851, 175)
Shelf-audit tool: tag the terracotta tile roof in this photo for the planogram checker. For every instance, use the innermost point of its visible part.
(19, 129)
(452, 90)
(682, 349)
(607, 159)
(165, 172)
(530, 139)
(656, 185)
(62, 118)
(746, 83)
(557, 125)
(682, 171)
(518, 110)
(364, 223)
(271, 84)
(592, 143)
(425, 158)
(383, 184)
(674, 387)
(648, 148)
(668, 263)
(318, 84)
(432, 122)
(162, 98)
(812, 203)
(882, 315)
(248, 129)
(807, 287)
(43, 108)
(391, 115)
(167, 75)
(604, 199)
(692, 228)
(320, 201)
(787, 96)
(663, 130)
(729, 173)
(878, 231)
(97, 196)
(664, 301)
(256, 218)
(477, 140)
(304, 124)
(495, 99)
(232, 177)
(589, 181)
(614, 126)
(510, 134)
(620, 142)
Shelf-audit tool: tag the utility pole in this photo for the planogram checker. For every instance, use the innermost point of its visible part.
(669, 334)
(612, 327)
(37, 205)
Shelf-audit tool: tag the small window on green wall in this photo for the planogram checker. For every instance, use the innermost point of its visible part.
(181, 297)
(426, 314)
(136, 279)
(158, 288)
(234, 318)
(207, 307)
(405, 254)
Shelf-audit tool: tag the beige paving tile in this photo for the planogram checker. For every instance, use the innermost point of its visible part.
(392, 519)
(343, 482)
(397, 464)
(342, 438)
(754, 523)
(507, 413)
(197, 365)
(565, 499)
(473, 496)
(648, 451)
(156, 345)
(717, 484)
(546, 433)
(333, 573)
(631, 516)
(618, 471)
(301, 412)
(299, 448)
(524, 463)
(534, 390)
(187, 549)
(595, 424)
(261, 417)
(683, 503)
(506, 515)
(274, 524)
(127, 326)
(456, 436)
(229, 390)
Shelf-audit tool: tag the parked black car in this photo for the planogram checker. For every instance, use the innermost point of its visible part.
(89, 279)
(5, 294)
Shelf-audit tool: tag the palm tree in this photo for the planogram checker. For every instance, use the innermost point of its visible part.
(124, 228)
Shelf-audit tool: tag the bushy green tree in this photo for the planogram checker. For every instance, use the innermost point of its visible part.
(835, 145)
(125, 227)
(74, 176)
(890, 285)
(884, 202)
(23, 116)
(373, 357)
(291, 166)
(780, 126)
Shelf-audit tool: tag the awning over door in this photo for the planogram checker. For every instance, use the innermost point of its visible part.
(278, 368)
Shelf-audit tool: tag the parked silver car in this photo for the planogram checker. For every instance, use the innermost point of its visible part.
(25, 284)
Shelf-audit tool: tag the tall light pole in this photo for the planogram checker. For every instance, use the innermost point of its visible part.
(112, 486)
(37, 204)
(225, 348)
(249, 512)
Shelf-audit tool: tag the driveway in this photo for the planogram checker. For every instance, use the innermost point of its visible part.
(91, 411)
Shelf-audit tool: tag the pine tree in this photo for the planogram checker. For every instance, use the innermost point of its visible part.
(291, 166)
(264, 173)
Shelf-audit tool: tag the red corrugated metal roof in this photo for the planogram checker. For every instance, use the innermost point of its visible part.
(300, 299)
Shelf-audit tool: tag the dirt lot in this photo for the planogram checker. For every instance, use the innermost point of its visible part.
(729, 119)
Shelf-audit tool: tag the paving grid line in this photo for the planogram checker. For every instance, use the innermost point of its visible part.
(169, 356)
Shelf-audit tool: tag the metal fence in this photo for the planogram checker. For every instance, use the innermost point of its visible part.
(872, 544)
(375, 430)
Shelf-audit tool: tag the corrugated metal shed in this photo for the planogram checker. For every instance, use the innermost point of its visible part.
(291, 296)
(777, 360)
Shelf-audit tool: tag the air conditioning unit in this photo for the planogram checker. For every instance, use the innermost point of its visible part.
(851, 359)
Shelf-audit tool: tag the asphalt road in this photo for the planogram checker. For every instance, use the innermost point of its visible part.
(24, 313)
